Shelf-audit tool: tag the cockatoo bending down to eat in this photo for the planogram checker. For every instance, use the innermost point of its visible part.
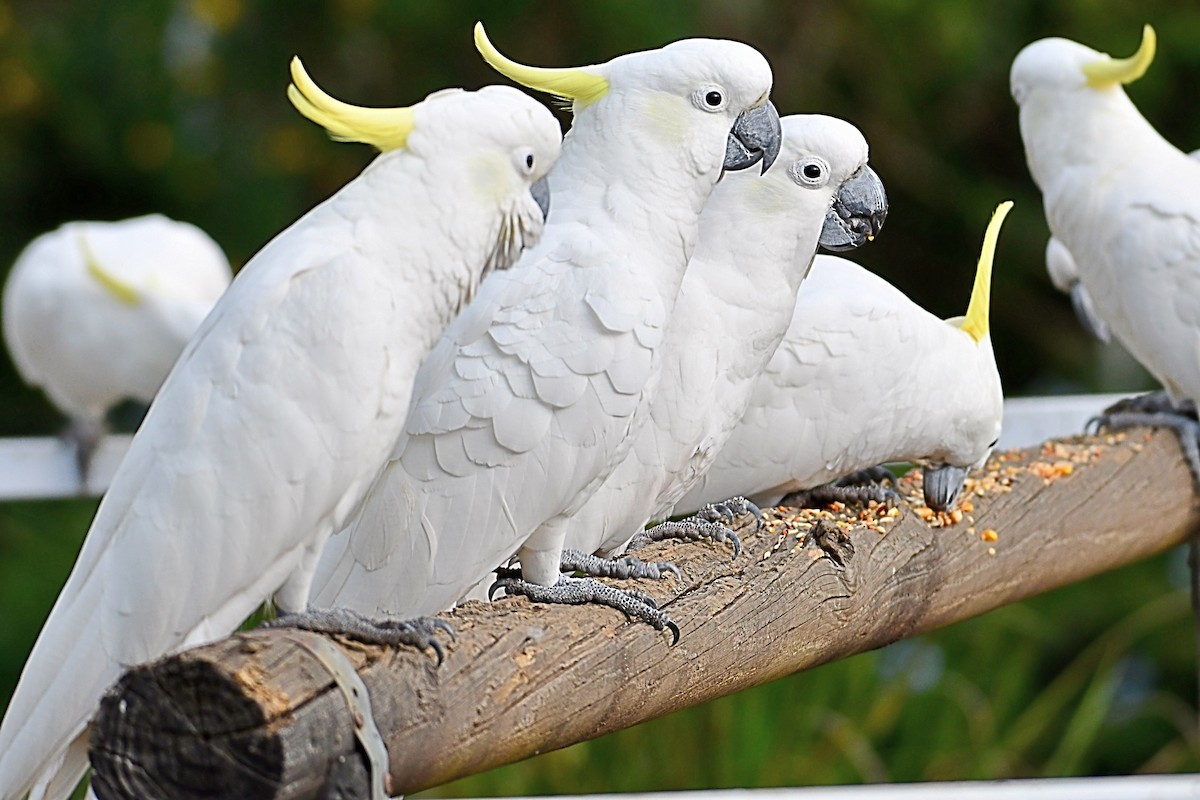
(864, 376)
(1125, 204)
(538, 389)
(283, 406)
(735, 304)
(97, 312)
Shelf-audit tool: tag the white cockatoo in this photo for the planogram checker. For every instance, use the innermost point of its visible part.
(538, 389)
(1125, 204)
(864, 376)
(97, 312)
(283, 406)
(735, 304)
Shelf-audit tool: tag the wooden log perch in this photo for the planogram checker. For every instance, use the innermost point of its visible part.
(259, 716)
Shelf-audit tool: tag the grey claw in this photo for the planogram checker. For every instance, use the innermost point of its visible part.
(624, 567)
(578, 591)
(418, 633)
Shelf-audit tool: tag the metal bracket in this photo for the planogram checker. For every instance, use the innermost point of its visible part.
(359, 701)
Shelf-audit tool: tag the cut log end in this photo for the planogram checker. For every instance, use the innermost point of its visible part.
(184, 728)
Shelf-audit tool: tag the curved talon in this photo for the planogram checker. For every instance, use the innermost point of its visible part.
(674, 631)
(436, 647)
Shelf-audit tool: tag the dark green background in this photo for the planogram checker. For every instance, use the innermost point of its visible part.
(108, 110)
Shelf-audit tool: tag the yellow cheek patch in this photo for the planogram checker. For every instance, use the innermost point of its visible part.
(124, 292)
(491, 177)
(666, 116)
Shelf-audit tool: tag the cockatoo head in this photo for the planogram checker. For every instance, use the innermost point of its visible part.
(973, 399)
(1071, 101)
(827, 156)
(701, 99)
(502, 142)
(820, 193)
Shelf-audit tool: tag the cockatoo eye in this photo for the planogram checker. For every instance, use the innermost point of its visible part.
(523, 161)
(811, 172)
(709, 98)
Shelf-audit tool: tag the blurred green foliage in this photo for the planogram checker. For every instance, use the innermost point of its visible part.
(108, 110)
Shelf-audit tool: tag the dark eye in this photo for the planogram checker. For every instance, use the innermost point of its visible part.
(812, 171)
(713, 98)
(529, 161)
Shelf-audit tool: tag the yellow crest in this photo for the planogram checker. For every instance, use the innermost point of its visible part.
(124, 292)
(1111, 71)
(976, 321)
(382, 128)
(570, 83)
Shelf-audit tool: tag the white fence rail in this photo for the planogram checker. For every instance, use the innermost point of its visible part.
(44, 468)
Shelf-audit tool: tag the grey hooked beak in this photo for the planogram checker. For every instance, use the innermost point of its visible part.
(756, 136)
(857, 213)
(541, 195)
(942, 485)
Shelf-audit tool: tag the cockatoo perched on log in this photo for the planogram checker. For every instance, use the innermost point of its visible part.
(284, 405)
(1125, 204)
(97, 312)
(736, 302)
(539, 388)
(864, 376)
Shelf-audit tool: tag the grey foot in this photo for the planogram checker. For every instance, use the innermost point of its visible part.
(579, 591)
(1155, 410)
(1149, 403)
(856, 488)
(622, 567)
(832, 540)
(711, 522)
(419, 633)
(726, 511)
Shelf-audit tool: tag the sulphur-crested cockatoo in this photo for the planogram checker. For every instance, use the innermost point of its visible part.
(864, 376)
(1125, 203)
(735, 304)
(97, 312)
(283, 406)
(539, 388)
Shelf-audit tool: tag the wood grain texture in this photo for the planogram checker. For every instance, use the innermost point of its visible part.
(257, 716)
